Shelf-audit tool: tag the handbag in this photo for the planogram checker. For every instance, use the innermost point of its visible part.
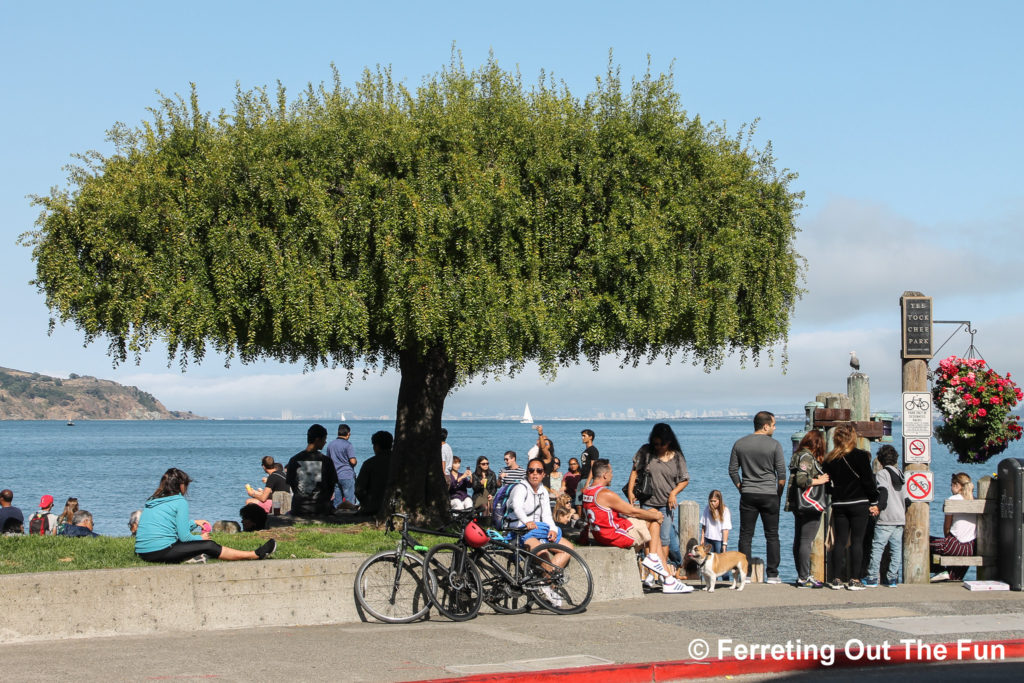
(643, 487)
(811, 500)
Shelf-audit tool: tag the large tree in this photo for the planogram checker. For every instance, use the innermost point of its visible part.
(465, 228)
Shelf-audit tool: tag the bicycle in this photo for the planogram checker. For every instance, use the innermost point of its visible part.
(388, 585)
(512, 578)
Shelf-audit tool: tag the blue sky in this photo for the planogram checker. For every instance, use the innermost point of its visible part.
(902, 120)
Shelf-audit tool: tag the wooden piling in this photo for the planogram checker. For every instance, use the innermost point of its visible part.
(916, 551)
(689, 533)
(988, 528)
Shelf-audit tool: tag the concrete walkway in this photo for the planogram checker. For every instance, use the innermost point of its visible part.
(653, 628)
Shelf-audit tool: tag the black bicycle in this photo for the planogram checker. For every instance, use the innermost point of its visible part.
(389, 585)
(506, 576)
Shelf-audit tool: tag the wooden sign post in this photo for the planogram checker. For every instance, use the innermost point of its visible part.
(917, 350)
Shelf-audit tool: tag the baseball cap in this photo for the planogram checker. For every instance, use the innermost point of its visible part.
(46, 501)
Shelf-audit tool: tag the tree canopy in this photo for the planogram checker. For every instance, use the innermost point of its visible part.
(470, 225)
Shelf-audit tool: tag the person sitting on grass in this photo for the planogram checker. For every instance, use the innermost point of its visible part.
(166, 534)
(275, 481)
(81, 525)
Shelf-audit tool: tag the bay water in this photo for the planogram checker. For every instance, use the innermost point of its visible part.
(112, 467)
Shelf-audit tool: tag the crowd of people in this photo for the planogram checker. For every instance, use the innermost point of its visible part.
(867, 507)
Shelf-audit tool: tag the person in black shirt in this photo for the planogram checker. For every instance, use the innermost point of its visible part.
(587, 457)
(311, 476)
(373, 475)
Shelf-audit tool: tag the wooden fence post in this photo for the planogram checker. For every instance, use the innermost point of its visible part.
(988, 528)
(689, 533)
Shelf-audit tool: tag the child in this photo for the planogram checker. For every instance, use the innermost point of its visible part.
(960, 530)
(715, 523)
(892, 517)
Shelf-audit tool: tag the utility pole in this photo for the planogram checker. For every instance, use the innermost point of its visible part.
(916, 310)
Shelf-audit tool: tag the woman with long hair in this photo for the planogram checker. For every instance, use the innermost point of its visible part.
(166, 534)
(806, 472)
(571, 480)
(854, 501)
(662, 457)
(960, 530)
(485, 485)
(66, 518)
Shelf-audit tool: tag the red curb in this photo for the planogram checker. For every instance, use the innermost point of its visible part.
(649, 672)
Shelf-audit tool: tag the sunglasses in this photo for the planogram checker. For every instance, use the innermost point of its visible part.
(485, 463)
(536, 470)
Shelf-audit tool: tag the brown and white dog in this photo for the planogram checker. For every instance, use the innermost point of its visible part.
(712, 565)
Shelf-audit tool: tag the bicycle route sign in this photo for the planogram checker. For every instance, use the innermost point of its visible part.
(920, 487)
(917, 449)
(917, 414)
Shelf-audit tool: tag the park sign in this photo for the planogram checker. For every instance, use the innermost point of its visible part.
(917, 326)
(917, 414)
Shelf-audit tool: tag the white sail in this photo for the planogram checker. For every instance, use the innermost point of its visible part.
(343, 416)
(527, 417)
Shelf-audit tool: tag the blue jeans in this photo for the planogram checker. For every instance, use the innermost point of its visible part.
(345, 490)
(669, 532)
(891, 535)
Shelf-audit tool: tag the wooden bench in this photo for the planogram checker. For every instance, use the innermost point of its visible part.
(986, 507)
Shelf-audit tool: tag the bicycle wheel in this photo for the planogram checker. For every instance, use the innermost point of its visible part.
(501, 595)
(453, 582)
(390, 589)
(562, 590)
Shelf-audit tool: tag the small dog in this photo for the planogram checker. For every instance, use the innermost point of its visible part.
(714, 564)
(564, 513)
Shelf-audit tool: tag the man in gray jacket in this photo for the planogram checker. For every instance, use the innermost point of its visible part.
(759, 457)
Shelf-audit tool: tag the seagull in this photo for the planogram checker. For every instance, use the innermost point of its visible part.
(854, 361)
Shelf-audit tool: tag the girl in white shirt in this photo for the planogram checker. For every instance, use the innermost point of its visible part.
(960, 531)
(715, 523)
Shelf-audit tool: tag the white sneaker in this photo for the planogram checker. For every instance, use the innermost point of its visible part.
(941, 576)
(651, 581)
(552, 596)
(653, 562)
(677, 587)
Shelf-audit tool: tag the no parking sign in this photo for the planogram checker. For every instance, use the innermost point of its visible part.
(920, 487)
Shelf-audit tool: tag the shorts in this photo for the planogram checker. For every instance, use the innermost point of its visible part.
(541, 534)
(639, 532)
(178, 552)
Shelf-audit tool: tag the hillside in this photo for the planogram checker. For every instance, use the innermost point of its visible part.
(31, 396)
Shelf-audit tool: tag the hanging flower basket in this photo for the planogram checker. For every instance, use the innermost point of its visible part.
(975, 402)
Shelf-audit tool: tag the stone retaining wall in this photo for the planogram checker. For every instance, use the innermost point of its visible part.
(221, 595)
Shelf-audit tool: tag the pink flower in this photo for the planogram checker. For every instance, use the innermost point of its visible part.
(995, 400)
(982, 412)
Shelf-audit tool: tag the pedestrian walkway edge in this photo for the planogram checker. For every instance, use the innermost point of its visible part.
(660, 672)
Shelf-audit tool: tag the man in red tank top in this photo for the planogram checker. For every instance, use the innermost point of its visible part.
(612, 521)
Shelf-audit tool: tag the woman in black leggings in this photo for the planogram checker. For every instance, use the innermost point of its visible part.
(166, 534)
(854, 501)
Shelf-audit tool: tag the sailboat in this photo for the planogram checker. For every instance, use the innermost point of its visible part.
(343, 416)
(527, 417)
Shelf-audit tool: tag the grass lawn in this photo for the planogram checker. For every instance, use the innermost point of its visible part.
(21, 554)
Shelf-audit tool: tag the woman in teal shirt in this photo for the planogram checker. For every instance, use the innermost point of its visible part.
(166, 534)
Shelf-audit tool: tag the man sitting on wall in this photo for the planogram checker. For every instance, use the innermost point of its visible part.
(612, 521)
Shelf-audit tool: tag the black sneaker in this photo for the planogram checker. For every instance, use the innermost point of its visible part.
(855, 585)
(266, 550)
(836, 585)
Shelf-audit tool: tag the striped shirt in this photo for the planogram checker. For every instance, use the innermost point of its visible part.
(511, 475)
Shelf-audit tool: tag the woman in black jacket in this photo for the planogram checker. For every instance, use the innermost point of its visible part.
(854, 501)
(485, 485)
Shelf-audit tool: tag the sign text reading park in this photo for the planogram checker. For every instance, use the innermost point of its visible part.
(917, 327)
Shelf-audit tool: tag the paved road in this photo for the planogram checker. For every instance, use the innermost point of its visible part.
(657, 627)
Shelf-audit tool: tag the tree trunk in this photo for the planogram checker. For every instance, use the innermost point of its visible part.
(416, 483)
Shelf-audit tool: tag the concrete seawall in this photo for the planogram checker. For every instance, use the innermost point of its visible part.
(221, 595)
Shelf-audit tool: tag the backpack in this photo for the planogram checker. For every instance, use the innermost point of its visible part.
(39, 524)
(501, 510)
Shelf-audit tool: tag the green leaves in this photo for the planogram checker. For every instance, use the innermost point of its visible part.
(499, 223)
